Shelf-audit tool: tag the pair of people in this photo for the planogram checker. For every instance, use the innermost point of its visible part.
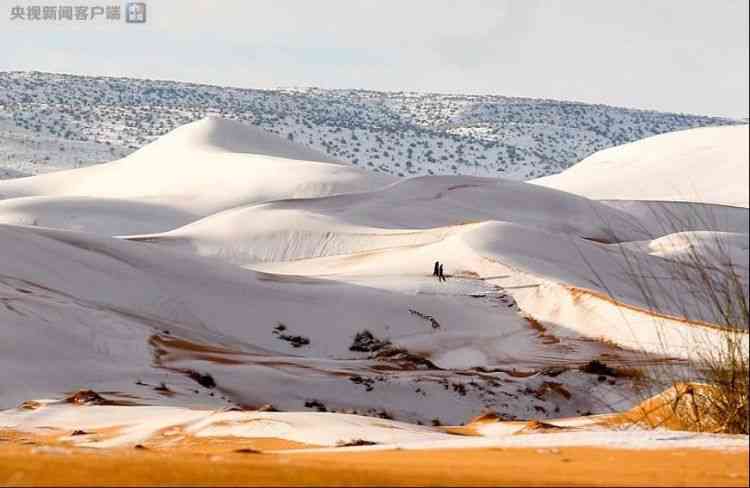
(438, 271)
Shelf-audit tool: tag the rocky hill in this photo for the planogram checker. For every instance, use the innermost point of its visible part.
(54, 121)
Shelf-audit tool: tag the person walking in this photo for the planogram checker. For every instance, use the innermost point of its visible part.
(436, 271)
(441, 276)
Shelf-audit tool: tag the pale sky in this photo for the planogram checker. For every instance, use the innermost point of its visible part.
(672, 55)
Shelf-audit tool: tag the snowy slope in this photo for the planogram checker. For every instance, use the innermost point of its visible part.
(167, 426)
(708, 165)
(410, 212)
(572, 284)
(197, 170)
(732, 247)
(74, 301)
(216, 252)
(214, 134)
(99, 215)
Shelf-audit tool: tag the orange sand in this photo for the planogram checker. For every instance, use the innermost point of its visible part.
(217, 464)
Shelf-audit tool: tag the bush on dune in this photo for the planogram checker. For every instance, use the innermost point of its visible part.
(705, 282)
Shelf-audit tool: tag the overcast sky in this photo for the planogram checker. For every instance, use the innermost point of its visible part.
(673, 55)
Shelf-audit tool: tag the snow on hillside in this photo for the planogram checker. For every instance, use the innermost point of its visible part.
(708, 165)
(51, 121)
(199, 169)
(149, 316)
(390, 217)
(223, 266)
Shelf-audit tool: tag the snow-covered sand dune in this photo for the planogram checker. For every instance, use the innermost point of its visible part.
(98, 215)
(707, 165)
(415, 211)
(73, 301)
(547, 272)
(224, 266)
(657, 218)
(170, 426)
(194, 171)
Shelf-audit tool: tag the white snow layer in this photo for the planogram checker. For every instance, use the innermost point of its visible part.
(707, 165)
(140, 424)
(234, 240)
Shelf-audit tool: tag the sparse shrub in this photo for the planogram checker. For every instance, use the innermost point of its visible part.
(295, 340)
(86, 397)
(355, 443)
(365, 341)
(598, 368)
(203, 379)
(707, 288)
(404, 359)
(316, 404)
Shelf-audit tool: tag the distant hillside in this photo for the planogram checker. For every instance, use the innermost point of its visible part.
(52, 121)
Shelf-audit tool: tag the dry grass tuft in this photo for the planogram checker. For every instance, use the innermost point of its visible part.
(705, 282)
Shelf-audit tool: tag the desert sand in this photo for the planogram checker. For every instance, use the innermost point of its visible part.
(207, 465)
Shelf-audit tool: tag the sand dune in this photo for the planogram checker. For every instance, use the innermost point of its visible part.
(222, 267)
(199, 169)
(707, 165)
